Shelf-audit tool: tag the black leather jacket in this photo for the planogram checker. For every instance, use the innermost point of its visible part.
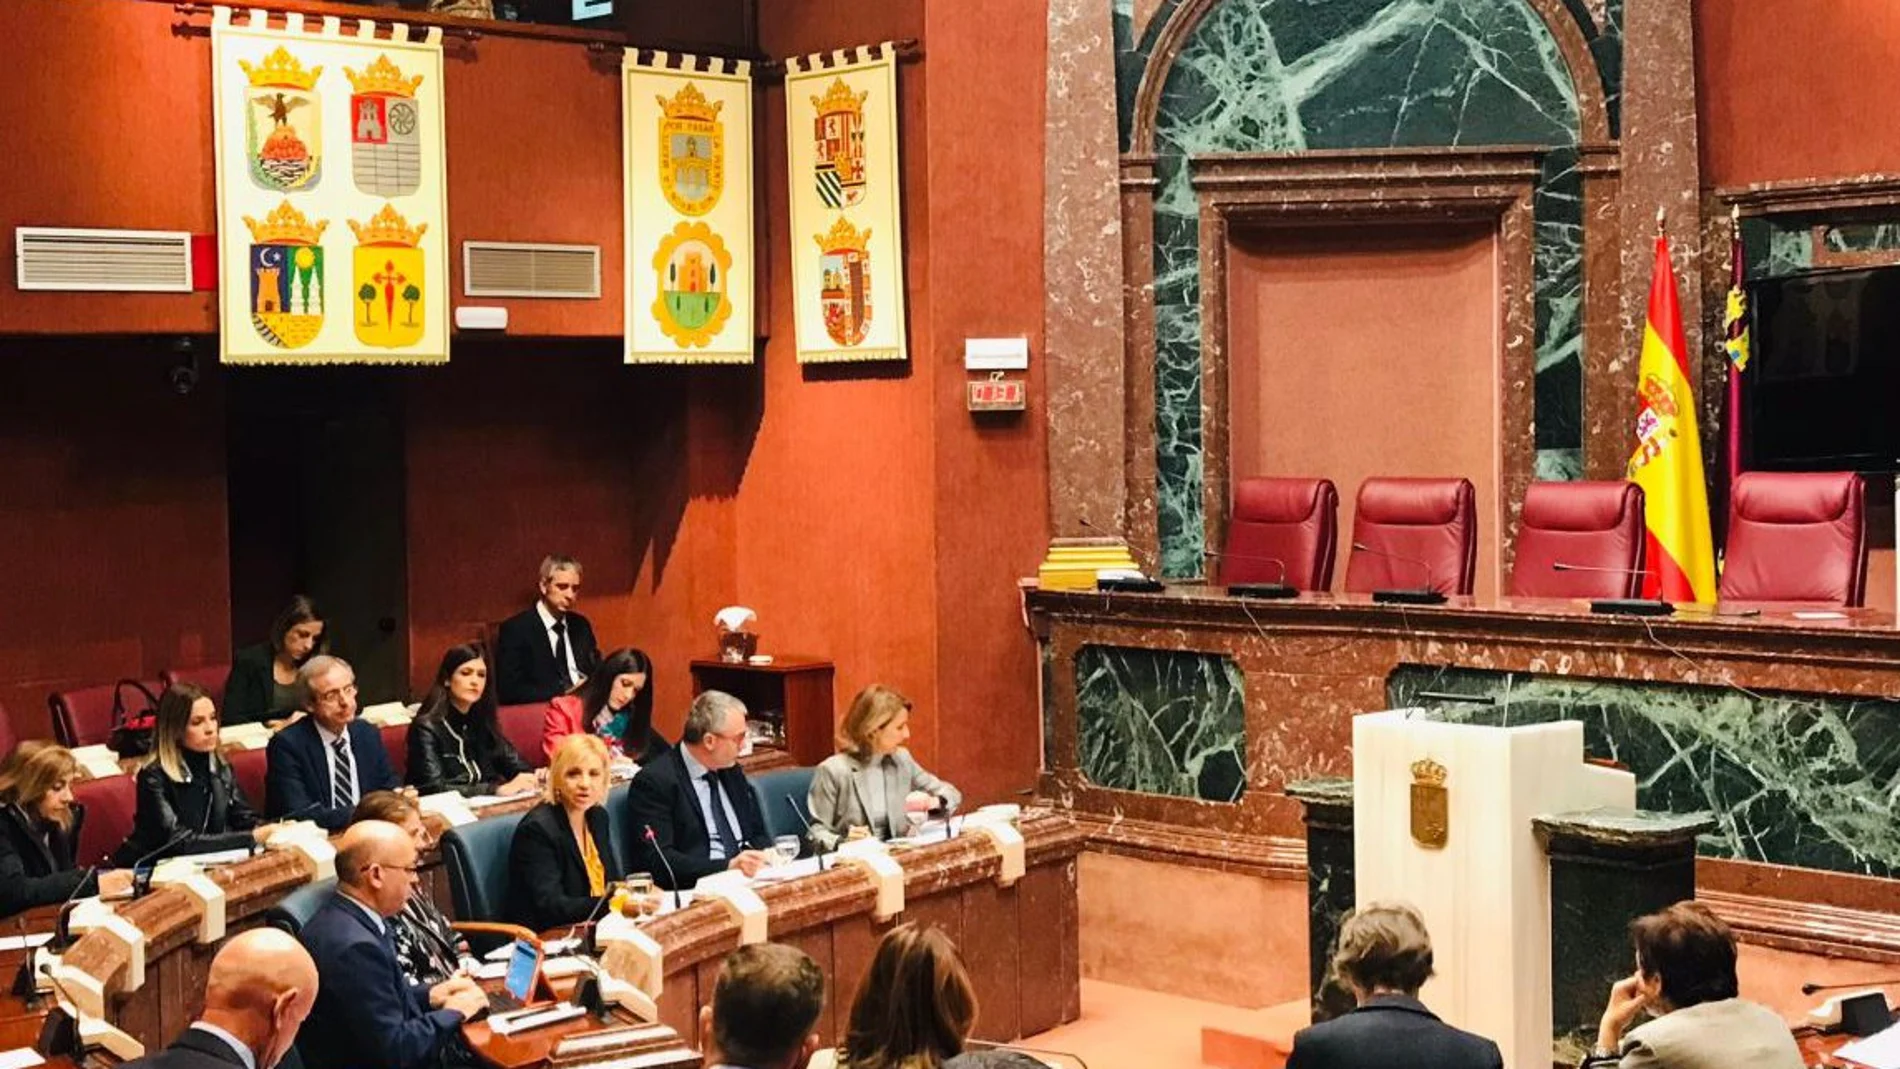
(204, 814)
(451, 751)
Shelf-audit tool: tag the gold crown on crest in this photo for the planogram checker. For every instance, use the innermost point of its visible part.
(388, 227)
(844, 238)
(1429, 772)
(384, 78)
(690, 103)
(286, 225)
(280, 69)
(839, 98)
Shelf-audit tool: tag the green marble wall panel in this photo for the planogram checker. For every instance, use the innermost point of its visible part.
(1779, 247)
(1292, 75)
(1793, 779)
(1161, 722)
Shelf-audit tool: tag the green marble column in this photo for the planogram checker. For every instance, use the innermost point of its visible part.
(1329, 886)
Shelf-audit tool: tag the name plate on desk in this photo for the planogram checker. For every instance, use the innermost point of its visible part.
(630, 955)
(732, 888)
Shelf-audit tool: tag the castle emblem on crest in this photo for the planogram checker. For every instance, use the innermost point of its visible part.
(838, 136)
(844, 272)
(692, 151)
(283, 123)
(286, 277)
(693, 266)
(385, 129)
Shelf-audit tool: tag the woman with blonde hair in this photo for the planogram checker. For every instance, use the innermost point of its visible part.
(873, 782)
(39, 831)
(189, 801)
(562, 859)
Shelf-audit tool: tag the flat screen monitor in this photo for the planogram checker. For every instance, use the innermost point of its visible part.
(1824, 377)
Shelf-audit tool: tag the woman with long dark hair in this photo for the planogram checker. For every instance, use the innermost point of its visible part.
(615, 703)
(915, 1005)
(455, 743)
(263, 680)
(189, 801)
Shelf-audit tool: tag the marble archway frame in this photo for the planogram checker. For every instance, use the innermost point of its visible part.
(1370, 188)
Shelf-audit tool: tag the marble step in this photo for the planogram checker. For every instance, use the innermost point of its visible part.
(1263, 1041)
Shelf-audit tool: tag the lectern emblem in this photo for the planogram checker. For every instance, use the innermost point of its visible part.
(1431, 805)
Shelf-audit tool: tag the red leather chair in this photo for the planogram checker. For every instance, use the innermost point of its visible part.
(1797, 537)
(1417, 532)
(7, 738)
(521, 725)
(1593, 525)
(110, 804)
(211, 678)
(83, 717)
(250, 767)
(1282, 531)
(396, 742)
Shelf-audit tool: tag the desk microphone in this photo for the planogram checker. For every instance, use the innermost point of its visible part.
(1427, 594)
(1276, 589)
(1810, 988)
(810, 836)
(62, 921)
(587, 941)
(26, 986)
(672, 877)
(59, 1033)
(1619, 606)
(142, 874)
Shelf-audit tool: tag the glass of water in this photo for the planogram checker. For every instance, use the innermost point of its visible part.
(788, 848)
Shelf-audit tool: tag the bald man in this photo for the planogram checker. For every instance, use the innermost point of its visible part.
(262, 986)
(366, 1014)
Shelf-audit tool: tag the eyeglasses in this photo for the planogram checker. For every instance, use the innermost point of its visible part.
(337, 696)
(413, 870)
(736, 737)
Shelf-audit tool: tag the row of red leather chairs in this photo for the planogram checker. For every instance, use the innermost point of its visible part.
(1792, 537)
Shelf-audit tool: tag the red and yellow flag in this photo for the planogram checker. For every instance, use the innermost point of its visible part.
(1667, 462)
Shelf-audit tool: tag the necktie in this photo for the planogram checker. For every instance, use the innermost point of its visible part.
(560, 650)
(721, 825)
(343, 774)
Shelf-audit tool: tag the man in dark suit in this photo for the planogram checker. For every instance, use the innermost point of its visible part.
(696, 801)
(261, 988)
(318, 768)
(367, 1014)
(1385, 956)
(543, 651)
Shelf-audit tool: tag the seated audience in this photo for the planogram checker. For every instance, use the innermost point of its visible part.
(261, 988)
(764, 1007)
(1685, 978)
(914, 1007)
(39, 832)
(189, 801)
(320, 766)
(263, 680)
(427, 945)
(692, 804)
(548, 648)
(1384, 957)
(872, 782)
(455, 743)
(616, 703)
(367, 1014)
(562, 859)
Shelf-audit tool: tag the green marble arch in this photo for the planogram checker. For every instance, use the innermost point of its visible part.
(1793, 779)
(1161, 722)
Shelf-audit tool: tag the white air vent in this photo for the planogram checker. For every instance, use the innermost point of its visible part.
(508, 269)
(128, 261)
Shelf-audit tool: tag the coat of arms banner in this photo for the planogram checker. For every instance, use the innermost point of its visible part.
(688, 188)
(847, 213)
(332, 209)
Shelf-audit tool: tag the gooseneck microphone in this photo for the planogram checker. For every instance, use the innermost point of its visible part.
(1810, 988)
(1618, 606)
(811, 837)
(672, 877)
(1425, 594)
(1276, 589)
(587, 922)
(141, 874)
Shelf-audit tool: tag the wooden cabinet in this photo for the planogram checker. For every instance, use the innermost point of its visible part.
(794, 692)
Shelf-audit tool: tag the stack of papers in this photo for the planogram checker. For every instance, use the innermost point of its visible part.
(1878, 1051)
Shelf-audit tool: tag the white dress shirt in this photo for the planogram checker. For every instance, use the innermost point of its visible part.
(329, 757)
(554, 641)
(702, 791)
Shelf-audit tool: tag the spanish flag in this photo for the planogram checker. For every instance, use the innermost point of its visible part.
(1667, 462)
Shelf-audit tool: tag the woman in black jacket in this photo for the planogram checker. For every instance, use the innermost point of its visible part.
(263, 680)
(562, 861)
(455, 743)
(39, 832)
(189, 801)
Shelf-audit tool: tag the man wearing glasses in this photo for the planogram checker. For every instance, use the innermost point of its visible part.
(692, 807)
(319, 767)
(367, 1014)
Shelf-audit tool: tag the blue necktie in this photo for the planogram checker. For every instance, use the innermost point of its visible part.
(720, 824)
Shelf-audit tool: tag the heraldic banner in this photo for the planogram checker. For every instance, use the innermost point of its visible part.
(688, 144)
(332, 210)
(847, 242)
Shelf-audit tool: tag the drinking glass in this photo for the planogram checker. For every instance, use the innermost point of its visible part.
(788, 847)
(641, 891)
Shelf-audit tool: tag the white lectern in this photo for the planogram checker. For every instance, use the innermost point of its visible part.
(1442, 819)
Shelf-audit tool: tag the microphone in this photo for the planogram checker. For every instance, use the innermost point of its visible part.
(1619, 606)
(1810, 988)
(141, 875)
(672, 877)
(1276, 589)
(62, 921)
(587, 942)
(59, 1033)
(810, 836)
(1426, 594)
(26, 985)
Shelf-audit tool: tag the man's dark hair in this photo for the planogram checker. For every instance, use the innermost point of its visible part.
(765, 1003)
(1690, 950)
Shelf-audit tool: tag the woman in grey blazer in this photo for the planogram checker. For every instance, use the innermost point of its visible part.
(872, 782)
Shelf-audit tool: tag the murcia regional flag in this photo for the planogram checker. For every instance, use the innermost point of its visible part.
(1667, 463)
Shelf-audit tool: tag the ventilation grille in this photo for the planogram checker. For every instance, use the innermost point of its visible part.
(507, 269)
(130, 261)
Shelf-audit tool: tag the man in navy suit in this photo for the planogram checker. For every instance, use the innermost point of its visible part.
(319, 767)
(1385, 956)
(367, 1015)
(544, 650)
(261, 988)
(694, 797)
